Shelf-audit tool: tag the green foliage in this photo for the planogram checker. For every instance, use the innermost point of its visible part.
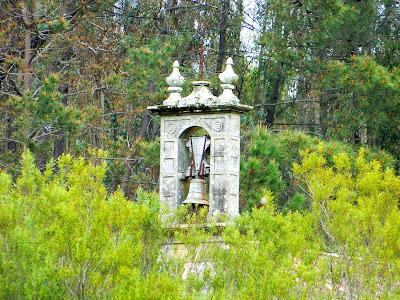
(77, 75)
(267, 163)
(324, 67)
(41, 117)
(147, 171)
(63, 236)
(268, 254)
(58, 25)
(145, 67)
(367, 95)
(260, 168)
(356, 204)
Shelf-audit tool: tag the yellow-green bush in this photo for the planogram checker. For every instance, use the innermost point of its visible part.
(266, 164)
(63, 236)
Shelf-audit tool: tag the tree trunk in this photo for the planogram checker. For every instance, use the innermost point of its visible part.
(27, 48)
(168, 13)
(259, 89)
(223, 27)
(11, 144)
(270, 108)
(143, 131)
(61, 140)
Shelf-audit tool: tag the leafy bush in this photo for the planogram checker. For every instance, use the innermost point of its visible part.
(63, 236)
(355, 204)
(266, 164)
(260, 168)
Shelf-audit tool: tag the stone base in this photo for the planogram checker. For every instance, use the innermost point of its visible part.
(190, 254)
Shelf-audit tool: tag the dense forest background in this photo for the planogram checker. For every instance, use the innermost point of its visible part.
(322, 147)
(76, 75)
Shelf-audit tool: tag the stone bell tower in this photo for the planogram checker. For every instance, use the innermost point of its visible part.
(200, 138)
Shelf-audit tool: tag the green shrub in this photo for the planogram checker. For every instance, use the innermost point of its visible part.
(267, 160)
(355, 204)
(63, 236)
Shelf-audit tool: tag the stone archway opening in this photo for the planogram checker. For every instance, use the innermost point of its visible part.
(194, 167)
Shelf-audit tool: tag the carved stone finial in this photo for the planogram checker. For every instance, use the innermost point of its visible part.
(227, 78)
(175, 82)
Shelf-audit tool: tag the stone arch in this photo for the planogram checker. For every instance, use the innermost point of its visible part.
(184, 158)
(194, 123)
(193, 129)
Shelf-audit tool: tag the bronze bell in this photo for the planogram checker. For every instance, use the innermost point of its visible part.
(197, 192)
